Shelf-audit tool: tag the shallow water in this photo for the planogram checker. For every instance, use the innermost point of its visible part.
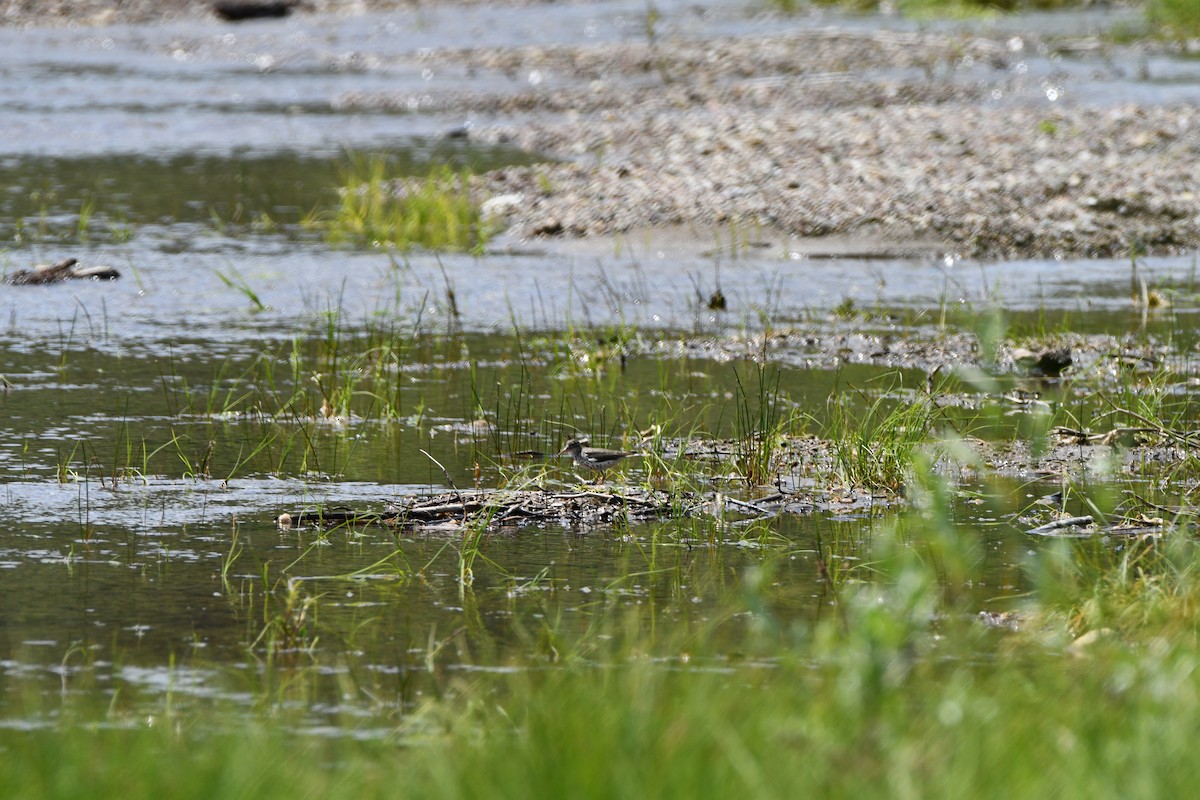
(128, 576)
(142, 565)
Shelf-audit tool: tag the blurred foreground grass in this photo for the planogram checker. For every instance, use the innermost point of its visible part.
(1113, 724)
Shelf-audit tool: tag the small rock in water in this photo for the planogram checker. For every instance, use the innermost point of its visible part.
(501, 206)
(238, 10)
(1085, 643)
(1007, 620)
(1046, 364)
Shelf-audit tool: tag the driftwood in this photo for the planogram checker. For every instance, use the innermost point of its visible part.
(1081, 527)
(496, 508)
(67, 269)
(503, 507)
(1058, 526)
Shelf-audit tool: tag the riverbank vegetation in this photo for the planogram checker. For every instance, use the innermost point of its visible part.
(1171, 19)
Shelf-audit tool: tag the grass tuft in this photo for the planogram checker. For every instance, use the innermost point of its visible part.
(874, 450)
(383, 210)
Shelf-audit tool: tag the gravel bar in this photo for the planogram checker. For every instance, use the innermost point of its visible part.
(819, 131)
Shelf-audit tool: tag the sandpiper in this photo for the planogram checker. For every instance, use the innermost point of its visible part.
(596, 459)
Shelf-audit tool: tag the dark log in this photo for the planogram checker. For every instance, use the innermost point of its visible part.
(43, 273)
(239, 10)
(64, 270)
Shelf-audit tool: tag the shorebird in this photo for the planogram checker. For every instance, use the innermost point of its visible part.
(596, 459)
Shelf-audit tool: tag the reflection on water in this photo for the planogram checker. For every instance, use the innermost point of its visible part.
(118, 195)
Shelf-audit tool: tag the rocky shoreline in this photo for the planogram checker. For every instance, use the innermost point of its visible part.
(823, 132)
(987, 182)
(931, 136)
(768, 135)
